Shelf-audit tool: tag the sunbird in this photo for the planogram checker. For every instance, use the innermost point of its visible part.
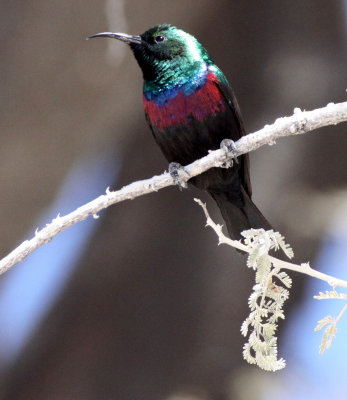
(191, 108)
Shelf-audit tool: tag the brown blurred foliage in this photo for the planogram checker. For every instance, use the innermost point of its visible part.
(155, 307)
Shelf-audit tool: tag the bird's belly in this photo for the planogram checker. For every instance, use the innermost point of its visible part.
(186, 127)
(184, 143)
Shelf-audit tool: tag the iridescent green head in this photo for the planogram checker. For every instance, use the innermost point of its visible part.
(165, 53)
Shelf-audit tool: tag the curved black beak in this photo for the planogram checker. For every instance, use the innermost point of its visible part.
(129, 39)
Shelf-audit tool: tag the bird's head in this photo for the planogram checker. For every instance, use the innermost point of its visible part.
(164, 51)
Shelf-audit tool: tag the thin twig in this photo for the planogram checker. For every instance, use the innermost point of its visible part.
(268, 283)
(277, 263)
(300, 122)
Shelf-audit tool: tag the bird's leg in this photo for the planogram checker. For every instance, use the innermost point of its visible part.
(229, 148)
(178, 174)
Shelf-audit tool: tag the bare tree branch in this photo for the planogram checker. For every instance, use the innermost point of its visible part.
(277, 263)
(300, 122)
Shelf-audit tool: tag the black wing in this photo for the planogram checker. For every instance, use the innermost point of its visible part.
(230, 98)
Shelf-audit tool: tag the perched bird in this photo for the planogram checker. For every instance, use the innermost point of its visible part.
(190, 108)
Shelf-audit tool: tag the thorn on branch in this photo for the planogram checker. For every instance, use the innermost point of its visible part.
(330, 115)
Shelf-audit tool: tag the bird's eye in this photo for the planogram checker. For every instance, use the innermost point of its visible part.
(159, 38)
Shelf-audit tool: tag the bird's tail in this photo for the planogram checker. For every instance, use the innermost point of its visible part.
(239, 212)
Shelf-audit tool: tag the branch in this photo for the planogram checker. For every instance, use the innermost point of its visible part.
(300, 122)
(267, 299)
(277, 263)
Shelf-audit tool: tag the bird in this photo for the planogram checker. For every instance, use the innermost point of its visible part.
(191, 108)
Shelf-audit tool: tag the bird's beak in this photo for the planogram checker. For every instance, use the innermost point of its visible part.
(129, 39)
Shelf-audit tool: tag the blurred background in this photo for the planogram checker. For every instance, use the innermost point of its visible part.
(141, 303)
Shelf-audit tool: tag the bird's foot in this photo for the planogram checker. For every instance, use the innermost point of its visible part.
(179, 175)
(229, 148)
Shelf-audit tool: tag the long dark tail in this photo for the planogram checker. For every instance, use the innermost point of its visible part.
(239, 212)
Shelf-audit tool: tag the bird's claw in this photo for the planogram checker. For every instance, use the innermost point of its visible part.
(230, 150)
(179, 175)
